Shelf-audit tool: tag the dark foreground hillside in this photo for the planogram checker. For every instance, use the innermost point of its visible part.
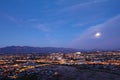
(64, 73)
(71, 73)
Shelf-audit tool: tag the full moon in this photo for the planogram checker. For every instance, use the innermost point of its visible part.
(97, 35)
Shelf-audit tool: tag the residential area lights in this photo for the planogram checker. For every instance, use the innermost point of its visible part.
(12, 65)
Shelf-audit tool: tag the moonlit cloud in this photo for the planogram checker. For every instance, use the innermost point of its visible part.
(109, 38)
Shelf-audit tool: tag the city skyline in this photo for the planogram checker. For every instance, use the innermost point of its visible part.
(82, 24)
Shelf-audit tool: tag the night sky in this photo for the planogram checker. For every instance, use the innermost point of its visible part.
(83, 24)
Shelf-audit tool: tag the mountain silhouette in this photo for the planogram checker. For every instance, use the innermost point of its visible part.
(28, 49)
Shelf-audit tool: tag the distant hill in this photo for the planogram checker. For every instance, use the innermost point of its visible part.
(27, 49)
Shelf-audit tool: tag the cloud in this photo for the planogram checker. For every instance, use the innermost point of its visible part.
(6, 16)
(25, 22)
(19, 21)
(82, 5)
(12, 19)
(32, 20)
(109, 36)
(60, 1)
(43, 28)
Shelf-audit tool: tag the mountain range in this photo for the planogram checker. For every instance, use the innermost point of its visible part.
(28, 49)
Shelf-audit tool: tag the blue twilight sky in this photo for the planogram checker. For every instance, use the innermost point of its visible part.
(83, 24)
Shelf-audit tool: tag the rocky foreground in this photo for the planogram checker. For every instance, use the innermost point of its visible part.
(71, 73)
(63, 72)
